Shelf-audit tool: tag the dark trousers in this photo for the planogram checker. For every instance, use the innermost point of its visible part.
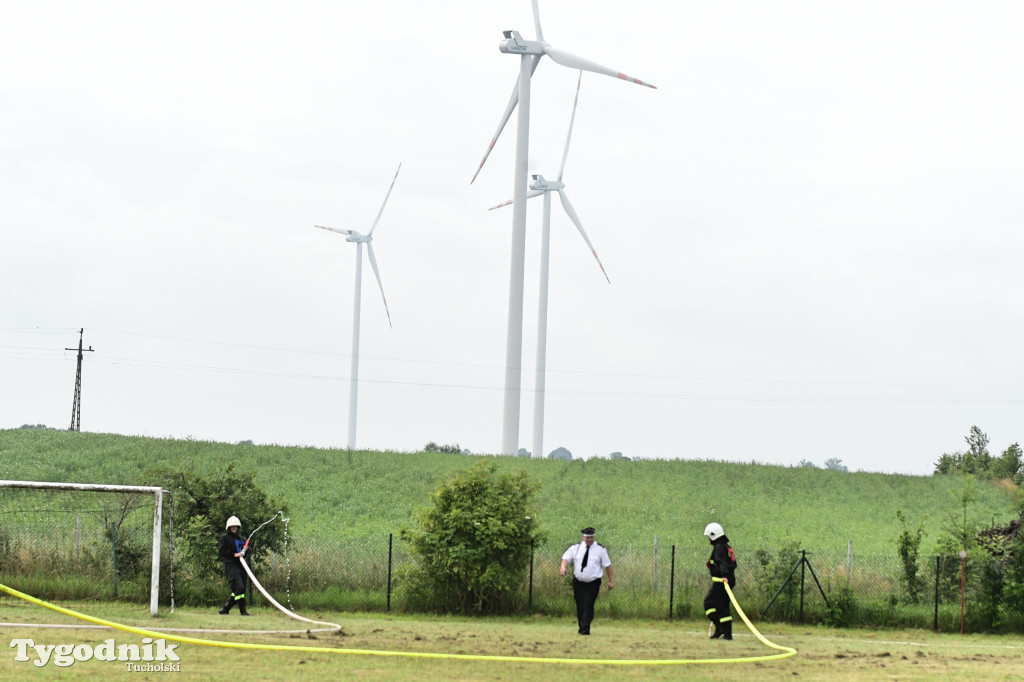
(716, 605)
(585, 595)
(236, 580)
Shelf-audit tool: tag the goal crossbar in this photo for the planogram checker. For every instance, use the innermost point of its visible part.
(158, 497)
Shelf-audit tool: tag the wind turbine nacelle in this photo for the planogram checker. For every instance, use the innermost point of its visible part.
(514, 43)
(539, 183)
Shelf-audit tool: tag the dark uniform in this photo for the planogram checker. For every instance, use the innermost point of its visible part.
(722, 564)
(230, 543)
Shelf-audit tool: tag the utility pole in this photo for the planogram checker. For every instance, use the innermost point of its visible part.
(76, 407)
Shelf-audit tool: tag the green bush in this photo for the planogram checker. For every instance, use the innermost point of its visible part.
(201, 505)
(770, 570)
(842, 609)
(473, 542)
(908, 545)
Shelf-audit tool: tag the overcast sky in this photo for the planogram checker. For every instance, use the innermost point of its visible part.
(813, 227)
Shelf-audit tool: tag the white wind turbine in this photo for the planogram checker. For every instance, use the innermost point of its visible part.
(538, 187)
(530, 52)
(359, 240)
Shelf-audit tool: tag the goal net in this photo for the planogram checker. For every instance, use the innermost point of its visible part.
(82, 540)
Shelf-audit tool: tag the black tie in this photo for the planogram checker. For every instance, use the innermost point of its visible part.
(586, 555)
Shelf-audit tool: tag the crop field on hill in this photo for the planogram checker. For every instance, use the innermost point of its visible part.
(334, 494)
(344, 505)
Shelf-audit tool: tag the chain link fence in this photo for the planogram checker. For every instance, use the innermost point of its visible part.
(82, 545)
(808, 586)
(102, 551)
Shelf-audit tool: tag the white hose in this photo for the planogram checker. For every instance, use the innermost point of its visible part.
(280, 608)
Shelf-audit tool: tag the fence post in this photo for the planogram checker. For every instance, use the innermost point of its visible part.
(113, 545)
(654, 577)
(849, 560)
(529, 598)
(935, 624)
(78, 537)
(391, 537)
(672, 583)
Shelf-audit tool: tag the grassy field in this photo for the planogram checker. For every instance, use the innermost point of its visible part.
(822, 653)
(334, 494)
(341, 497)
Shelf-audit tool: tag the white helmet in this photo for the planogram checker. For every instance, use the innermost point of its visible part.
(714, 531)
(233, 521)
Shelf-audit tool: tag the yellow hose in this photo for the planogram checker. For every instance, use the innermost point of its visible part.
(408, 654)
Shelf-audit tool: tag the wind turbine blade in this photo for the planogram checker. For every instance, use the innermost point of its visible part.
(571, 212)
(536, 22)
(572, 119)
(529, 195)
(376, 273)
(377, 219)
(512, 102)
(334, 229)
(574, 62)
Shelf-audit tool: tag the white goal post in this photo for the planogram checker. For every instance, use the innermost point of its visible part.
(158, 496)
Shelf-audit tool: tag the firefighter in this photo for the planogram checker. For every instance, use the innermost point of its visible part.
(231, 549)
(722, 564)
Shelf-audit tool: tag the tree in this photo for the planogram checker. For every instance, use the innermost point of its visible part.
(202, 504)
(977, 459)
(947, 463)
(474, 540)
(1009, 464)
(960, 528)
(806, 464)
(835, 464)
(560, 453)
(450, 449)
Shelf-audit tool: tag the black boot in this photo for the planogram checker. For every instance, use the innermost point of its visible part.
(243, 612)
(224, 610)
(726, 628)
(717, 630)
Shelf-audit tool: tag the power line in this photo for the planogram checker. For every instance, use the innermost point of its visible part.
(138, 362)
(129, 362)
(628, 375)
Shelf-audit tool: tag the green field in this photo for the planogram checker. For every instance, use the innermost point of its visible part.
(339, 497)
(334, 494)
(822, 653)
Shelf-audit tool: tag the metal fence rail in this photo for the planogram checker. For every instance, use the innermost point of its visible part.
(368, 574)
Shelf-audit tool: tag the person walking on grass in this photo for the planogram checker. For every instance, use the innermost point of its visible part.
(722, 564)
(231, 549)
(589, 563)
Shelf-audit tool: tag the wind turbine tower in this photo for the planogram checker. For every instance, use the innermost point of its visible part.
(359, 239)
(530, 53)
(538, 187)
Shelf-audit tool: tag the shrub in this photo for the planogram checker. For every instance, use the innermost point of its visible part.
(201, 505)
(770, 572)
(473, 542)
(842, 609)
(908, 544)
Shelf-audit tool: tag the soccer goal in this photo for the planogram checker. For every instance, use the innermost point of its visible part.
(87, 532)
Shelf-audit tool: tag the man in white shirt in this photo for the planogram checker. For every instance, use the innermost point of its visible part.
(589, 563)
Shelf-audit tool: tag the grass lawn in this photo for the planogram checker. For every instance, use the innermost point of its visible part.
(823, 653)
